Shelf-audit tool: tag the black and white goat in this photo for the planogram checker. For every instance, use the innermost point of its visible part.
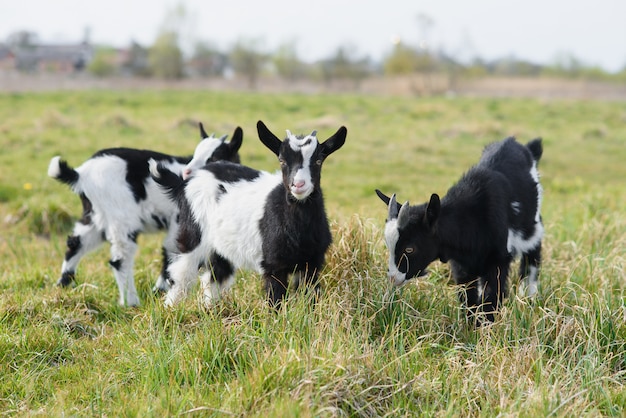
(485, 220)
(120, 201)
(233, 216)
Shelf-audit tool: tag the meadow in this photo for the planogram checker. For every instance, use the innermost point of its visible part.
(364, 349)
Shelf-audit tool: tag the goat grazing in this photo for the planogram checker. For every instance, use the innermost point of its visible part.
(491, 215)
(120, 200)
(233, 216)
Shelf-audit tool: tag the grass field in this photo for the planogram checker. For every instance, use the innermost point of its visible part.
(364, 349)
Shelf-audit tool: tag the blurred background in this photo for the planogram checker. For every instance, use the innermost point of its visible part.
(557, 48)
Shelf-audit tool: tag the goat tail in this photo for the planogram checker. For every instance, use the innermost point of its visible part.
(165, 178)
(59, 169)
(536, 149)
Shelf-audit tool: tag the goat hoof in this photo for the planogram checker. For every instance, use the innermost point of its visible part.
(161, 286)
(159, 290)
(131, 303)
(66, 280)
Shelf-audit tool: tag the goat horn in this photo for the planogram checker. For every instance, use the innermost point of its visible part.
(202, 131)
(393, 207)
(223, 138)
(314, 133)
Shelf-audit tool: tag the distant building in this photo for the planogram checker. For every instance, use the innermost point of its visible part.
(54, 58)
(24, 52)
(7, 58)
(134, 60)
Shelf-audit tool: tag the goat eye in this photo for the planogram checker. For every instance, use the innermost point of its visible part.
(409, 250)
(318, 162)
(281, 161)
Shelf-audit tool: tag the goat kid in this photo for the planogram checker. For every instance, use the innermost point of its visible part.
(120, 200)
(490, 216)
(233, 217)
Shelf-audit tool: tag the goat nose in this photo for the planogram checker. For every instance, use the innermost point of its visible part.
(186, 173)
(299, 183)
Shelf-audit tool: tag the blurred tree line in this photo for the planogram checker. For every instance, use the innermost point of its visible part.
(249, 60)
(246, 59)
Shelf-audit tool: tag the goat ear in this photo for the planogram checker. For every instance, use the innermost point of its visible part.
(432, 209)
(268, 138)
(237, 139)
(403, 216)
(203, 134)
(335, 142)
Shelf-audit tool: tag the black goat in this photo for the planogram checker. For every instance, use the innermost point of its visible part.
(485, 220)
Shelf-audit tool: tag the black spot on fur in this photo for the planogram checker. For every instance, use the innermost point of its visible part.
(67, 174)
(159, 223)
(224, 153)
(170, 182)
(137, 168)
(116, 264)
(133, 236)
(166, 262)
(221, 190)
(87, 210)
(220, 268)
(189, 235)
(230, 172)
(73, 246)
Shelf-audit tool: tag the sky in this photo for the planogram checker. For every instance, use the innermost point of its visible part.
(536, 30)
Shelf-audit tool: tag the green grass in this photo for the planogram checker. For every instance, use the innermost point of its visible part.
(365, 349)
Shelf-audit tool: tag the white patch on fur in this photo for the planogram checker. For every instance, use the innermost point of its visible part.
(516, 244)
(212, 291)
(153, 167)
(297, 143)
(531, 283)
(204, 151)
(534, 173)
(392, 235)
(480, 287)
(54, 169)
(529, 286)
(307, 147)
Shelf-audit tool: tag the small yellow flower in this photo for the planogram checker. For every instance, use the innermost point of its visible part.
(28, 186)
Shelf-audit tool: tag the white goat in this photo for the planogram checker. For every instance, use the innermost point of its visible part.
(120, 200)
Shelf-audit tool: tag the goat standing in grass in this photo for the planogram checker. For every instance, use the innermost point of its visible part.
(490, 216)
(120, 201)
(233, 216)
